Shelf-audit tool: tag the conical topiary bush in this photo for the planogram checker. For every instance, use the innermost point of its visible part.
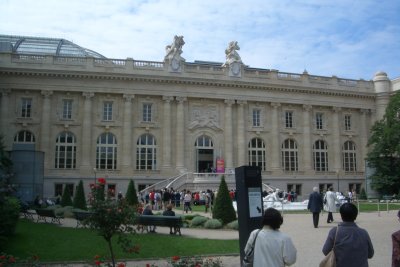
(131, 196)
(66, 197)
(223, 208)
(79, 198)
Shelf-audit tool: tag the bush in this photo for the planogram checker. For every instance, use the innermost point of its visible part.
(223, 208)
(190, 216)
(213, 224)
(131, 196)
(66, 198)
(198, 221)
(65, 212)
(9, 210)
(79, 198)
(233, 225)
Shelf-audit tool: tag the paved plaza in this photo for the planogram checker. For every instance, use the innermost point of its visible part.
(307, 239)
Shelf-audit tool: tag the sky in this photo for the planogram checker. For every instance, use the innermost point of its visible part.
(351, 39)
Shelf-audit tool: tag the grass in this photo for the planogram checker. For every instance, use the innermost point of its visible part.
(55, 244)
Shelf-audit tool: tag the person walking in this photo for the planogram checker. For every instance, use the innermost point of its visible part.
(272, 247)
(315, 205)
(396, 246)
(331, 200)
(353, 246)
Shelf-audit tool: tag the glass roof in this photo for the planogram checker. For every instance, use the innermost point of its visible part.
(46, 46)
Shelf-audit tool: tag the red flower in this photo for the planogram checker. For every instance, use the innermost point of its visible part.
(2, 257)
(175, 258)
(121, 264)
(11, 259)
(147, 265)
(101, 181)
(97, 257)
(97, 263)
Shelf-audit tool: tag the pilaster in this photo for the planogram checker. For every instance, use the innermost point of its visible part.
(167, 131)
(127, 134)
(180, 134)
(45, 126)
(228, 135)
(275, 141)
(307, 155)
(87, 133)
(241, 134)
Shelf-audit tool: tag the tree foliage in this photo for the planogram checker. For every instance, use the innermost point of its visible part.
(79, 198)
(131, 196)
(223, 208)
(384, 154)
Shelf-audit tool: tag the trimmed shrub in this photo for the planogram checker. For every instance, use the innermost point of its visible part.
(79, 198)
(233, 225)
(65, 212)
(198, 221)
(131, 196)
(213, 224)
(223, 208)
(190, 216)
(66, 198)
(9, 210)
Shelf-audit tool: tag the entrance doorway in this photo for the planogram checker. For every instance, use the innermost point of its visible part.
(204, 154)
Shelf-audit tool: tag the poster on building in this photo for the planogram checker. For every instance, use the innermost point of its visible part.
(220, 165)
(255, 203)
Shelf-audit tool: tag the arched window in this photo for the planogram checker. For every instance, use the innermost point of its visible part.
(257, 153)
(24, 137)
(349, 157)
(106, 152)
(320, 156)
(146, 153)
(290, 156)
(65, 157)
(204, 142)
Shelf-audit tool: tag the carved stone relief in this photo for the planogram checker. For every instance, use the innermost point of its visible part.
(204, 116)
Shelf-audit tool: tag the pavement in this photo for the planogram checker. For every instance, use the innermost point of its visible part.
(307, 239)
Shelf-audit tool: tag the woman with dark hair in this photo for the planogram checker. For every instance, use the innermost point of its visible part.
(272, 247)
(352, 244)
(396, 246)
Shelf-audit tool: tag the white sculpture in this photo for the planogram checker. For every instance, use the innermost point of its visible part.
(231, 55)
(174, 50)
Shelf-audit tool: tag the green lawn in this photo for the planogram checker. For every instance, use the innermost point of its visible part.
(54, 244)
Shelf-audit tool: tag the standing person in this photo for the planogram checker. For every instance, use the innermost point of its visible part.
(396, 246)
(353, 246)
(331, 200)
(315, 205)
(272, 247)
(187, 199)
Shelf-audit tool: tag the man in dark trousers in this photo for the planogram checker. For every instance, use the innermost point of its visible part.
(315, 205)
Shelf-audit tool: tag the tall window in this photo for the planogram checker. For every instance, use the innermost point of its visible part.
(65, 157)
(24, 137)
(107, 111)
(257, 153)
(67, 109)
(147, 112)
(290, 155)
(289, 119)
(106, 152)
(320, 156)
(26, 107)
(256, 118)
(347, 122)
(349, 157)
(319, 123)
(146, 153)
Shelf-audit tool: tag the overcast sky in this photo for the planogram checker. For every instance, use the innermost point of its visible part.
(347, 38)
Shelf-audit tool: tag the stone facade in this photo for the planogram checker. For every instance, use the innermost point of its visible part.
(149, 121)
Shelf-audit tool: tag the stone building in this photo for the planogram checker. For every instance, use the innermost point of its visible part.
(69, 114)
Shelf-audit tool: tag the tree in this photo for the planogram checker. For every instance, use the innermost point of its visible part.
(66, 198)
(384, 154)
(131, 196)
(79, 198)
(223, 208)
(109, 218)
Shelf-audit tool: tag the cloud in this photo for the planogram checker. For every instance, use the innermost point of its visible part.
(352, 39)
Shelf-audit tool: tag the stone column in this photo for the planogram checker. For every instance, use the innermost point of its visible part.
(45, 127)
(167, 131)
(307, 155)
(228, 135)
(336, 144)
(363, 132)
(241, 135)
(127, 135)
(180, 134)
(87, 134)
(4, 112)
(275, 141)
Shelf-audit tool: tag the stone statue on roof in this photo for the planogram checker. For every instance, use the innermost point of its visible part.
(174, 50)
(233, 60)
(173, 54)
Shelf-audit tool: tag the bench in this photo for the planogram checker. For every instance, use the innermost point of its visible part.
(153, 220)
(43, 214)
(80, 216)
